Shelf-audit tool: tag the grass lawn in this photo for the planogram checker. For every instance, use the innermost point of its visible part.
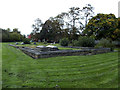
(95, 71)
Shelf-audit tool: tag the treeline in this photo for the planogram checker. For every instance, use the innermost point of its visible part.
(11, 36)
(71, 25)
(65, 25)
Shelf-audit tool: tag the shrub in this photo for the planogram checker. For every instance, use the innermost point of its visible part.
(75, 43)
(45, 42)
(86, 41)
(106, 44)
(26, 41)
(64, 42)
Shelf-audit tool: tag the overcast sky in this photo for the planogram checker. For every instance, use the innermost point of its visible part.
(22, 13)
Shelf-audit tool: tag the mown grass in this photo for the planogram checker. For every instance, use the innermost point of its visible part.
(95, 71)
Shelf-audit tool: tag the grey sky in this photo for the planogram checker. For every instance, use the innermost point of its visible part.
(22, 13)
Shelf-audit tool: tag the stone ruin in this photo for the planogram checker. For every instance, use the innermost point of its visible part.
(53, 51)
(47, 48)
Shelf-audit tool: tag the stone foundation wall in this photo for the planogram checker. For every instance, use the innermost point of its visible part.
(37, 53)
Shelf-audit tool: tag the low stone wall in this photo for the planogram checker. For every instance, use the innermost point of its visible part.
(78, 47)
(37, 53)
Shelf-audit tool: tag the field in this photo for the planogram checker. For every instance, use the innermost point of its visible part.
(95, 71)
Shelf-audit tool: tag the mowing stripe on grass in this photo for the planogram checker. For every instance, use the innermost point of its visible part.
(95, 71)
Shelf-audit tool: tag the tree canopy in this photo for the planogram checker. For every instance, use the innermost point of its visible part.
(102, 26)
(51, 30)
(66, 24)
(10, 36)
(70, 25)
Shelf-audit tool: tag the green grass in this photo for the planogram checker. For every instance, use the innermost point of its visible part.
(95, 71)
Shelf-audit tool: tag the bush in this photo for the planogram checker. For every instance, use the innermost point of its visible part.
(64, 42)
(106, 44)
(45, 42)
(75, 43)
(26, 41)
(85, 42)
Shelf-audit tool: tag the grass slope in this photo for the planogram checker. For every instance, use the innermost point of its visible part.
(96, 71)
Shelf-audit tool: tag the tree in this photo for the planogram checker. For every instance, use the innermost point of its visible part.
(37, 28)
(8, 30)
(60, 19)
(67, 24)
(88, 13)
(57, 26)
(8, 36)
(5, 35)
(16, 30)
(116, 33)
(102, 26)
(51, 30)
(73, 16)
(15, 37)
(64, 25)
